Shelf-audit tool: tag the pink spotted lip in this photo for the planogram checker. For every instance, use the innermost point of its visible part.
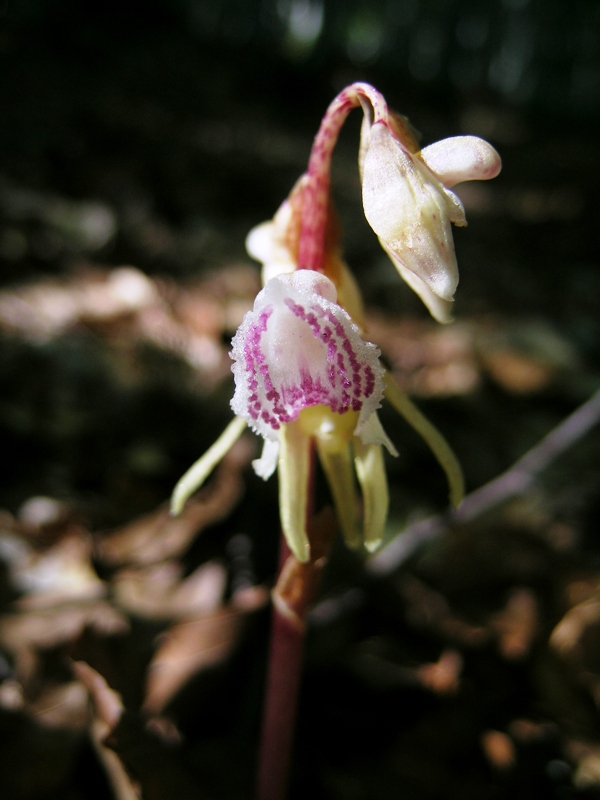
(298, 348)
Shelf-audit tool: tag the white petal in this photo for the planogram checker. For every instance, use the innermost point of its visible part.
(462, 158)
(410, 212)
(267, 244)
(371, 433)
(365, 135)
(298, 348)
(259, 242)
(440, 310)
(434, 439)
(266, 465)
(201, 469)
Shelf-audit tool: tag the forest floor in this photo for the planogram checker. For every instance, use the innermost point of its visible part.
(459, 662)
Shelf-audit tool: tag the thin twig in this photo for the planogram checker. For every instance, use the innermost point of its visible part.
(516, 480)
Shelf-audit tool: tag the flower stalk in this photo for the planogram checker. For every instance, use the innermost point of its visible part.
(315, 200)
(296, 588)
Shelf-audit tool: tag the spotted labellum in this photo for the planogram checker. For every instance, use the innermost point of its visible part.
(298, 348)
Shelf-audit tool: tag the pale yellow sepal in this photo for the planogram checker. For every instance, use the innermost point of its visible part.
(436, 442)
(201, 469)
(370, 469)
(338, 468)
(294, 475)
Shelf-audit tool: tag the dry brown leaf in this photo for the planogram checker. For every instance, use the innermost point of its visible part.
(158, 592)
(24, 634)
(499, 749)
(107, 711)
(517, 372)
(443, 676)
(427, 360)
(43, 310)
(63, 705)
(108, 706)
(11, 695)
(586, 755)
(158, 536)
(41, 515)
(429, 609)
(527, 731)
(195, 644)
(568, 636)
(60, 573)
(517, 624)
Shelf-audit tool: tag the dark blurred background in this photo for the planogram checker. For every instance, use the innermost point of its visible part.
(157, 133)
(152, 136)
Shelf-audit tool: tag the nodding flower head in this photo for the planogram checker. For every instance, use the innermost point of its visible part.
(408, 202)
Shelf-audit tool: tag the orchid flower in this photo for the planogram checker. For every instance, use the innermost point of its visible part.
(303, 375)
(276, 245)
(304, 372)
(408, 202)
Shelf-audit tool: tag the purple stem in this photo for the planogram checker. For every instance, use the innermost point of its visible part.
(316, 192)
(293, 595)
(279, 720)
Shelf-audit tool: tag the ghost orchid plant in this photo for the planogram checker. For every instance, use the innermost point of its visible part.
(306, 377)
(304, 373)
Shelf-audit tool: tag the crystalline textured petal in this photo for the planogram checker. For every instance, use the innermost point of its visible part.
(462, 158)
(266, 465)
(297, 348)
(411, 212)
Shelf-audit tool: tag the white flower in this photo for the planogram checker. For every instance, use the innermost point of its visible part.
(303, 373)
(408, 203)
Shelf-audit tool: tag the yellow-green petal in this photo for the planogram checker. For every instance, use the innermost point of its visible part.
(436, 442)
(370, 469)
(339, 470)
(294, 474)
(201, 469)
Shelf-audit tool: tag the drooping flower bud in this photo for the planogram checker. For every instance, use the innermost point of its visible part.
(410, 208)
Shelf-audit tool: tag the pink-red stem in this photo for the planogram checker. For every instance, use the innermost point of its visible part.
(316, 192)
(293, 595)
(279, 721)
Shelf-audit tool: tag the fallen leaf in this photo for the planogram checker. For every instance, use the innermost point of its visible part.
(195, 644)
(159, 592)
(442, 676)
(159, 536)
(499, 749)
(517, 624)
